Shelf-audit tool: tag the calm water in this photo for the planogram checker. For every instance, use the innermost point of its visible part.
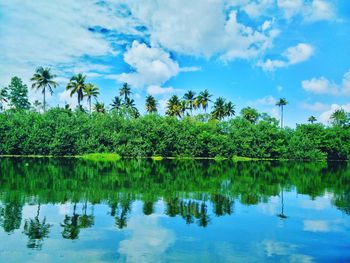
(173, 211)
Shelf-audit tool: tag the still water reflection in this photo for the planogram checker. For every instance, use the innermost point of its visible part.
(66, 210)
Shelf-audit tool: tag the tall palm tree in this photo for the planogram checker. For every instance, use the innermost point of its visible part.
(100, 107)
(91, 91)
(229, 109)
(3, 97)
(219, 109)
(250, 114)
(281, 103)
(43, 80)
(174, 107)
(312, 119)
(125, 91)
(190, 98)
(116, 103)
(151, 104)
(203, 99)
(77, 85)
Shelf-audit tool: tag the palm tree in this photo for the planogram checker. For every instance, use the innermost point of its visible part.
(174, 107)
(77, 85)
(43, 79)
(250, 114)
(151, 104)
(99, 107)
(125, 91)
(130, 105)
(281, 103)
(219, 109)
(116, 103)
(190, 98)
(312, 119)
(339, 117)
(3, 97)
(203, 99)
(91, 91)
(229, 109)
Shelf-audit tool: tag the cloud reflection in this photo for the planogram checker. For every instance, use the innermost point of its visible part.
(148, 240)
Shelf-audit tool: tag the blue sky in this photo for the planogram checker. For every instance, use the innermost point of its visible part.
(250, 52)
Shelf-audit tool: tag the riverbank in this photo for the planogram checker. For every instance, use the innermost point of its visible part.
(112, 157)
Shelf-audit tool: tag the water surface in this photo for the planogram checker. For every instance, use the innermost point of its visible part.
(67, 210)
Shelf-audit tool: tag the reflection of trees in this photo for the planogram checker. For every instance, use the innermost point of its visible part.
(120, 210)
(193, 190)
(148, 207)
(191, 211)
(11, 216)
(36, 230)
(85, 220)
(71, 228)
(223, 205)
(282, 215)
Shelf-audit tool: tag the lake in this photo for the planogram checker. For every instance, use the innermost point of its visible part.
(70, 210)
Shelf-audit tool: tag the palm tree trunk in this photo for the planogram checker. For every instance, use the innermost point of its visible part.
(282, 117)
(90, 105)
(44, 101)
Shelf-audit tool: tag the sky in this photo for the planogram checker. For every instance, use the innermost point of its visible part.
(251, 52)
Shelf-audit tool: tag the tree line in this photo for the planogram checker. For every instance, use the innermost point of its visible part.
(34, 129)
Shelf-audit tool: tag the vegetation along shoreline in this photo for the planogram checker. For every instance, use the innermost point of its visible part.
(193, 126)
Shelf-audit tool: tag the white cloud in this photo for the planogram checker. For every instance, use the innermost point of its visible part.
(170, 24)
(44, 33)
(157, 90)
(279, 88)
(298, 53)
(317, 106)
(256, 9)
(319, 10)
(292, 55)
(151, 66)
(310, 11)
(267, 100)
(266, 104)
(190, 69)
(65, 98)
(290, 7)
(324, 86)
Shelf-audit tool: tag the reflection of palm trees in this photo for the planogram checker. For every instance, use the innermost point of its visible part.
(282, 215)
(86, 221)
(11, 216)
(71, 228)
(222, 205)
(204, 219)
(36, 230)
(148, 207)
(121, 213)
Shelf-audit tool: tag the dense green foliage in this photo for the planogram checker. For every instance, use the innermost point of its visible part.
(121, 130)
(18, 94)
(63, 132)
